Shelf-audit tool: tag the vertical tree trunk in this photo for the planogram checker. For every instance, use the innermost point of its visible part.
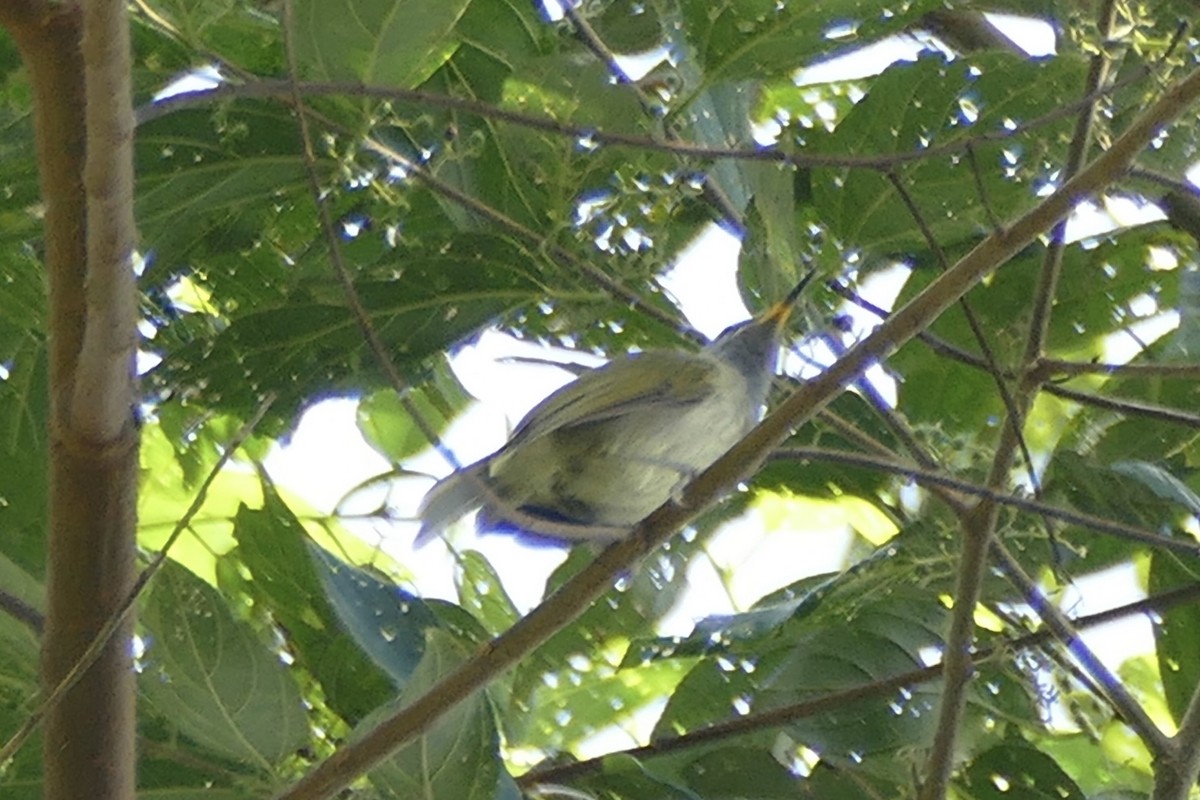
(90, 733)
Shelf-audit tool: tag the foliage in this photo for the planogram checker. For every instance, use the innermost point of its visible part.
(482, 167)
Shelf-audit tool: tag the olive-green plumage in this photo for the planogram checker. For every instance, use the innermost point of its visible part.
(598, 455)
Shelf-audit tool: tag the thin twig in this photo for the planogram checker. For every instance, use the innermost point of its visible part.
(1134, 408)
(282, 89)
(885, 687)
(857, 436)
(979, 527)
(1171, 182)
(895, 423)
(981, 189)
(991, 365)
(1056, 366)
(1067, 634)
(97, 645)
(1041, 373)
(22, 612)
(399, 385)
(926, 477)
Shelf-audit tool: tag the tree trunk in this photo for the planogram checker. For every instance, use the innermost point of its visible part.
(90, 732)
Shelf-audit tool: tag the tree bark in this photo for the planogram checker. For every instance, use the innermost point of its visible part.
(89, 735)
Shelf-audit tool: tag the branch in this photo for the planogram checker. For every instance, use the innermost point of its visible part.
(979, 526)
(282, 89)
(1067, 634)
(835, 701)
(1184, 545)
(96, 647)
(1134, 408)
(22, 612)
(990, 364)
(1054, 366)
(1177, 771)
(1043, 371)
(357, 757)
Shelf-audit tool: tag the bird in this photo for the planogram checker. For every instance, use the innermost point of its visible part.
(602, 452)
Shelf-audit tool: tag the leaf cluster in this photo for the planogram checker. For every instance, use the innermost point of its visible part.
(482, 166)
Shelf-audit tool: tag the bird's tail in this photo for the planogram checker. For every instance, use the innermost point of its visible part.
(450, 498)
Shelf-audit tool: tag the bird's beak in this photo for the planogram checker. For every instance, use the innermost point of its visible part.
(780, 312)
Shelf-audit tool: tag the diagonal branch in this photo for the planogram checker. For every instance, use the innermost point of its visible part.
(1067, 633)
(357, 757)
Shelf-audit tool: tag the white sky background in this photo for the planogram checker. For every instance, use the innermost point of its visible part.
(327, 455)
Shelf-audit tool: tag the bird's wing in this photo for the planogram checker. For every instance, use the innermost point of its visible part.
(662, 379)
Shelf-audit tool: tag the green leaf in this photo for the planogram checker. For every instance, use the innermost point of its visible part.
(306, 348)
(720, 117)
(22, 303)
(1177, 632)
(388, 623)
(759, 39)
(911, 107)
(387, 425)
(212, 677)
(284, 579)
(885, 639)
(627, 26)
(624, 776)
(723, 772)
(1099, 774)
(611, 617)
(770, 258)
(165, 495)
(940, 391)
(20, 650)
(1186, 341)
(481, 592)
(827, 479)
(1016, 770)
(1113, 491)
(1138, 437)
(459, 756)
(212, 181)
(211, 31)
(388, 42)
(1161, 482)
(572, 705)
(24, 450)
